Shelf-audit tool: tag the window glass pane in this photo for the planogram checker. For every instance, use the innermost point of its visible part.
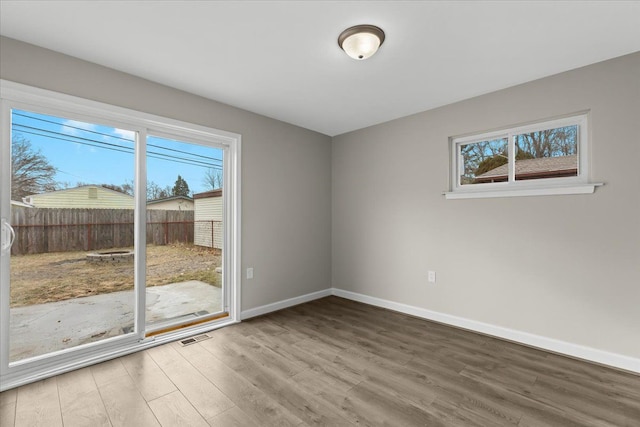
(184, 232)
(550, 153)
(72, 204)
(484, 162)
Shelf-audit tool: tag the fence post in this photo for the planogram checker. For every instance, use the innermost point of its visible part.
(165, 226)
(88, 237)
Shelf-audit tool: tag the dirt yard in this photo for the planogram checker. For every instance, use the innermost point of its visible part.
(41, 278)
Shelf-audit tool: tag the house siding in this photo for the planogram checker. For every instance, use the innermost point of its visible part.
(208, 222)
(79, 198)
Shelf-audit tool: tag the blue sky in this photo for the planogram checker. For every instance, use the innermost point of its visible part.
(95, 154)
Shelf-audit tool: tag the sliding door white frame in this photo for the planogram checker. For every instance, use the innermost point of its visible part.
(13, 95)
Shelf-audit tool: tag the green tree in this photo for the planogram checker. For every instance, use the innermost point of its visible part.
(180, 188)
(31, 172)
(491, 163)
(478, 152)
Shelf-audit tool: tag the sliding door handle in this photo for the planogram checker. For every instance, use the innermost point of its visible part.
(7, 231)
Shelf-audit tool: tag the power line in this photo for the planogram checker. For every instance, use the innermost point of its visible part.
(107, 135)
(69, 136)
(183, 152)
(72, 127)
(113, 136)
(117, 147)
(121, 149)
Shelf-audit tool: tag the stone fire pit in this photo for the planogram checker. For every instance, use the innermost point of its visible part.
(111, 257)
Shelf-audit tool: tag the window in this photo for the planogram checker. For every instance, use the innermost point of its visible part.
(550, 157)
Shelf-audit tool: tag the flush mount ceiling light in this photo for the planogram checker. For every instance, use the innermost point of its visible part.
(362, 41)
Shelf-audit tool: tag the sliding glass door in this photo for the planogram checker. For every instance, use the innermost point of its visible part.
(71, 216)
(116, 231)
(184, 233)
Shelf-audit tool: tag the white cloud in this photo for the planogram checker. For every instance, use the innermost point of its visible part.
(75, 128)
(123, 133)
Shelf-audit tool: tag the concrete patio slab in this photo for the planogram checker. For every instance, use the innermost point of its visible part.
(43, 328)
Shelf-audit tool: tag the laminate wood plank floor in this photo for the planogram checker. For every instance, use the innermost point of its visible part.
(333, 362)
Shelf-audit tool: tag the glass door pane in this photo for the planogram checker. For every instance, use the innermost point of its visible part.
(72, 210)
(184, 233)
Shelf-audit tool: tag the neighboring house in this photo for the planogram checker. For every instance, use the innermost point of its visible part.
(208, 219)
(173, 203)
(544, 167)
(85, 196)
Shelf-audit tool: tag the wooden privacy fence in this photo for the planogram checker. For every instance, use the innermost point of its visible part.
(41, 230)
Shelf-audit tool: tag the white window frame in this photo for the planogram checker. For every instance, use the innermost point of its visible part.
(15, 95)
(536, 187)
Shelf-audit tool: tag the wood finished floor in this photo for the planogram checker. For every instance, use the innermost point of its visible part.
(332, 362)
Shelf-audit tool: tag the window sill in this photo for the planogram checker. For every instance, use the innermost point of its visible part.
(523, 192)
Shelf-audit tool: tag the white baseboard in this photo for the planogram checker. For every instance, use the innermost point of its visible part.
(574, 350)
(550, 344)
(264, 309)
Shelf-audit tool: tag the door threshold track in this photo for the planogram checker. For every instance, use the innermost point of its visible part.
(186, 325)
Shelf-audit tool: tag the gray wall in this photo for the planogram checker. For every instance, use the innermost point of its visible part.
(563, 267)
(286, 170)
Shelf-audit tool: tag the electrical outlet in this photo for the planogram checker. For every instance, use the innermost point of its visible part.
(431, 276)
(250, 273)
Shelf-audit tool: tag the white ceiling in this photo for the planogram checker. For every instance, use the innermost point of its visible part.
(281, 58)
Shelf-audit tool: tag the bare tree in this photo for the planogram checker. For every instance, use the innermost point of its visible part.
(31, 172)
(480, 157)
(126, 188)
(556, 142)
(213, 178)
(154, 191)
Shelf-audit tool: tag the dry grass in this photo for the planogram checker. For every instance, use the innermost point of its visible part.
(41, 278)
